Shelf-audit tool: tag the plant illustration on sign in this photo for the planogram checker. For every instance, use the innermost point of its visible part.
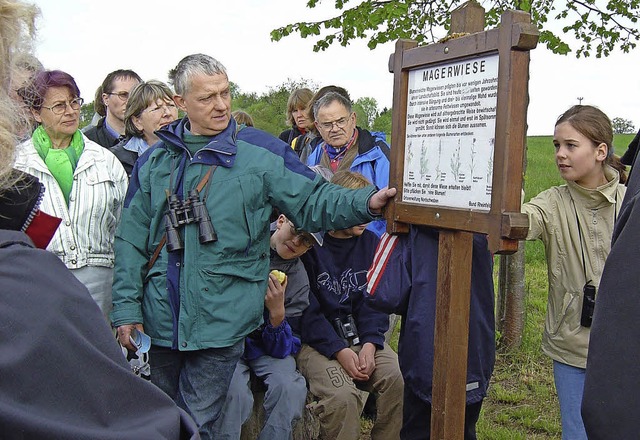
(456, 163)
(492, 141)
(424, 161)
(438, 170)
(472, 165)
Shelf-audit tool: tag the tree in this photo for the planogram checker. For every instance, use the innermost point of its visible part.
(622, 126)
(86, 114)
(594, 25)
(383, 122)
(369, 108)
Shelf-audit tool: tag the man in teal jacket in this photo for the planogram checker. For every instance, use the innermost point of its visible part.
(211, 187)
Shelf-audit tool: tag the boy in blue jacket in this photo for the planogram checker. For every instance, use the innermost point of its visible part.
(344, 356)
(269, 350)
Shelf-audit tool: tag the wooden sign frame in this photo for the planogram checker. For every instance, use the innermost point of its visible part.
(504, 223)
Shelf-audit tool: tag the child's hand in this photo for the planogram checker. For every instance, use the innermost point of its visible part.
(349, 361)
(367, 358)
(274, 300)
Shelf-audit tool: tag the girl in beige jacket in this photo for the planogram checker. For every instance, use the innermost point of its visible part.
(575, 223)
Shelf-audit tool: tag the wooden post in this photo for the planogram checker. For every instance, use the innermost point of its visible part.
(451, 335)
(468, 18)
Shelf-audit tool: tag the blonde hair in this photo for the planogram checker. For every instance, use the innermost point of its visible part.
(350, 179)
(17, 27)
(242, 118)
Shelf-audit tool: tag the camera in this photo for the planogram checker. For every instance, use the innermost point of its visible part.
(184, 212)
(588, 304)
(347, 330)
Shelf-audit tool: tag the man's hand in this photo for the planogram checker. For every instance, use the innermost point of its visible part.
(124, 333)
(274, 300)
(349, 361)
(379, 200)
(367, 358)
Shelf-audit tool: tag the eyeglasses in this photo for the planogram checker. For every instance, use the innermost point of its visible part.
(300, 236)
(60, 107)
(340, 123)
(124, 96)
(165, 107)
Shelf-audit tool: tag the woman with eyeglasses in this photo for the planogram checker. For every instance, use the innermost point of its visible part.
(149, 109)
(85, 184)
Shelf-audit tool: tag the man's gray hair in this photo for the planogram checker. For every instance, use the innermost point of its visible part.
(329, 98)
(191, 65)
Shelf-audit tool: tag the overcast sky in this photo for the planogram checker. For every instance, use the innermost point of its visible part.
(89, 39)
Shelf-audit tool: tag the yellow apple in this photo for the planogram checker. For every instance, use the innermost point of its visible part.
(281, 276)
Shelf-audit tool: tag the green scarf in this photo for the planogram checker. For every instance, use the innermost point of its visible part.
(61, 162)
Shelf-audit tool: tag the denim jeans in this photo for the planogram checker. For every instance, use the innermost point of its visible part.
(284, 399)
(196, 380)
(570, 385)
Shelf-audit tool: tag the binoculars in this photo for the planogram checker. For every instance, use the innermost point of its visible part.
(184, 212)
(347, 330)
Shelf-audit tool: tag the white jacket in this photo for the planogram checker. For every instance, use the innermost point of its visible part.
(85, 236)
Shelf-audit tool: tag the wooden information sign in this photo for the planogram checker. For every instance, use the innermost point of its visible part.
(458, 143)
(459, 132)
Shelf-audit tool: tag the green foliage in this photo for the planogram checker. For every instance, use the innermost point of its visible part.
(592, 28)
(383, 122)
(86, 114)
(368, 108)
(269, 110)
(622, 126)
(361, 117)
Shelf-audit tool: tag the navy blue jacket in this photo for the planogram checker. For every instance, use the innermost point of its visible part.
(338, 280)
(403, 281)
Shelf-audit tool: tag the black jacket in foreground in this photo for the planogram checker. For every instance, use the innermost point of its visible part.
(611, 402)
(62, 374)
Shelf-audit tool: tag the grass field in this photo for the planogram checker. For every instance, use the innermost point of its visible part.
(522, 402)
